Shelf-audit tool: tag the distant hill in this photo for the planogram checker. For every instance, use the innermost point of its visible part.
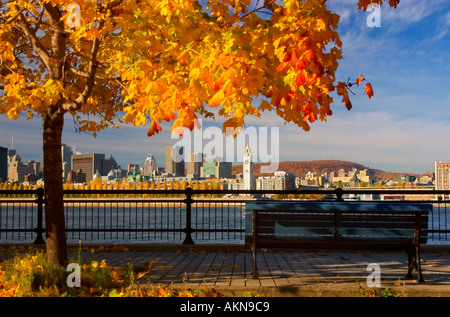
(300, 168)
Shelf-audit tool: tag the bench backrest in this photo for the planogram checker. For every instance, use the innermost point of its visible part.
(337, 221)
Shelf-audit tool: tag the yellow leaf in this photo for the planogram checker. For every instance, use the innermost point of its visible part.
(217, 99)
(91, 33)
(164, 267)
(234, 266)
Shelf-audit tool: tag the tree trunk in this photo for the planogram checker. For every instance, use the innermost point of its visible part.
(56, 246)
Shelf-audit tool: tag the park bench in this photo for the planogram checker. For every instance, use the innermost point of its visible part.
(325, 225)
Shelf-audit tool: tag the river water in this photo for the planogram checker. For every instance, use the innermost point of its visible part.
(158, 224)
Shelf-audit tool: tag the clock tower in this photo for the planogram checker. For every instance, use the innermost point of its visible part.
(247, 169)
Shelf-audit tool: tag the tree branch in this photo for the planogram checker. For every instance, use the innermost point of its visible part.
(16, 16)
(39, 20)
(266, 5)
(90, 79)
(112, 4)
(86, 75)
(37, 45)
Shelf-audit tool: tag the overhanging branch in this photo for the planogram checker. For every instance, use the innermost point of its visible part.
(31, 35)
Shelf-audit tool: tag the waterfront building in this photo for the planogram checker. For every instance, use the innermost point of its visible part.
(442, 175)
(280, 180)
(406, 179)
(352, 178)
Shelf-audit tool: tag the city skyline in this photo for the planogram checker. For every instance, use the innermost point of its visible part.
(403, 128)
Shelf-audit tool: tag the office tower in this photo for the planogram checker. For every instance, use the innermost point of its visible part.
(150, 166)
(66, 155)
(174, 160)
(88, 164)
(223, 170)
(208, 169)
(108, 165)
(11, 153)
(3, 164)
(195, 164)
(16, 169)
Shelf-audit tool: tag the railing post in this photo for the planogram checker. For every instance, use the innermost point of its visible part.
(339, 193)
(39, 230)
(188, 229)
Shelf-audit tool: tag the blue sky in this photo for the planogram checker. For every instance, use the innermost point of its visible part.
(405, 127)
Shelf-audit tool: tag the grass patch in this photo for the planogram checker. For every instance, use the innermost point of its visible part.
(27, 274)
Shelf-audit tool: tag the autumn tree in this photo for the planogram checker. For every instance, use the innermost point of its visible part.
(147, 61)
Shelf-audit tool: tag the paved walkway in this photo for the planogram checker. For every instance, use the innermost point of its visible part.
(283, 274)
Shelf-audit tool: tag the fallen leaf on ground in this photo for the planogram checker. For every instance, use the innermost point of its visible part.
(164, 267)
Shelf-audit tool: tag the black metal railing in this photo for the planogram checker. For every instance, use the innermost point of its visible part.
(179, 216)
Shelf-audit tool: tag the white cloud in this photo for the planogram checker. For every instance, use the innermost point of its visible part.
(410, 11)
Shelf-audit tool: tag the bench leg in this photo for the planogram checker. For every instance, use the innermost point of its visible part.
(255, 267)
(411, 262)
(414, 263)
(418, 265)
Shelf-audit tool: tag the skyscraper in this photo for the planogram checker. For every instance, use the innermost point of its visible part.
(108, 165)
(150, 166)
(174, 160)
(3, 164)
(88, 164)
(195, 163)
(66, 155)
(16, 169)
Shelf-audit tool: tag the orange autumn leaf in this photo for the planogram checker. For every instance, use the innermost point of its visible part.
(163, 291)
(359, 79)
(154, 128)
(347, 102)
(368, 90)
(91, 33)
(341, 88)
